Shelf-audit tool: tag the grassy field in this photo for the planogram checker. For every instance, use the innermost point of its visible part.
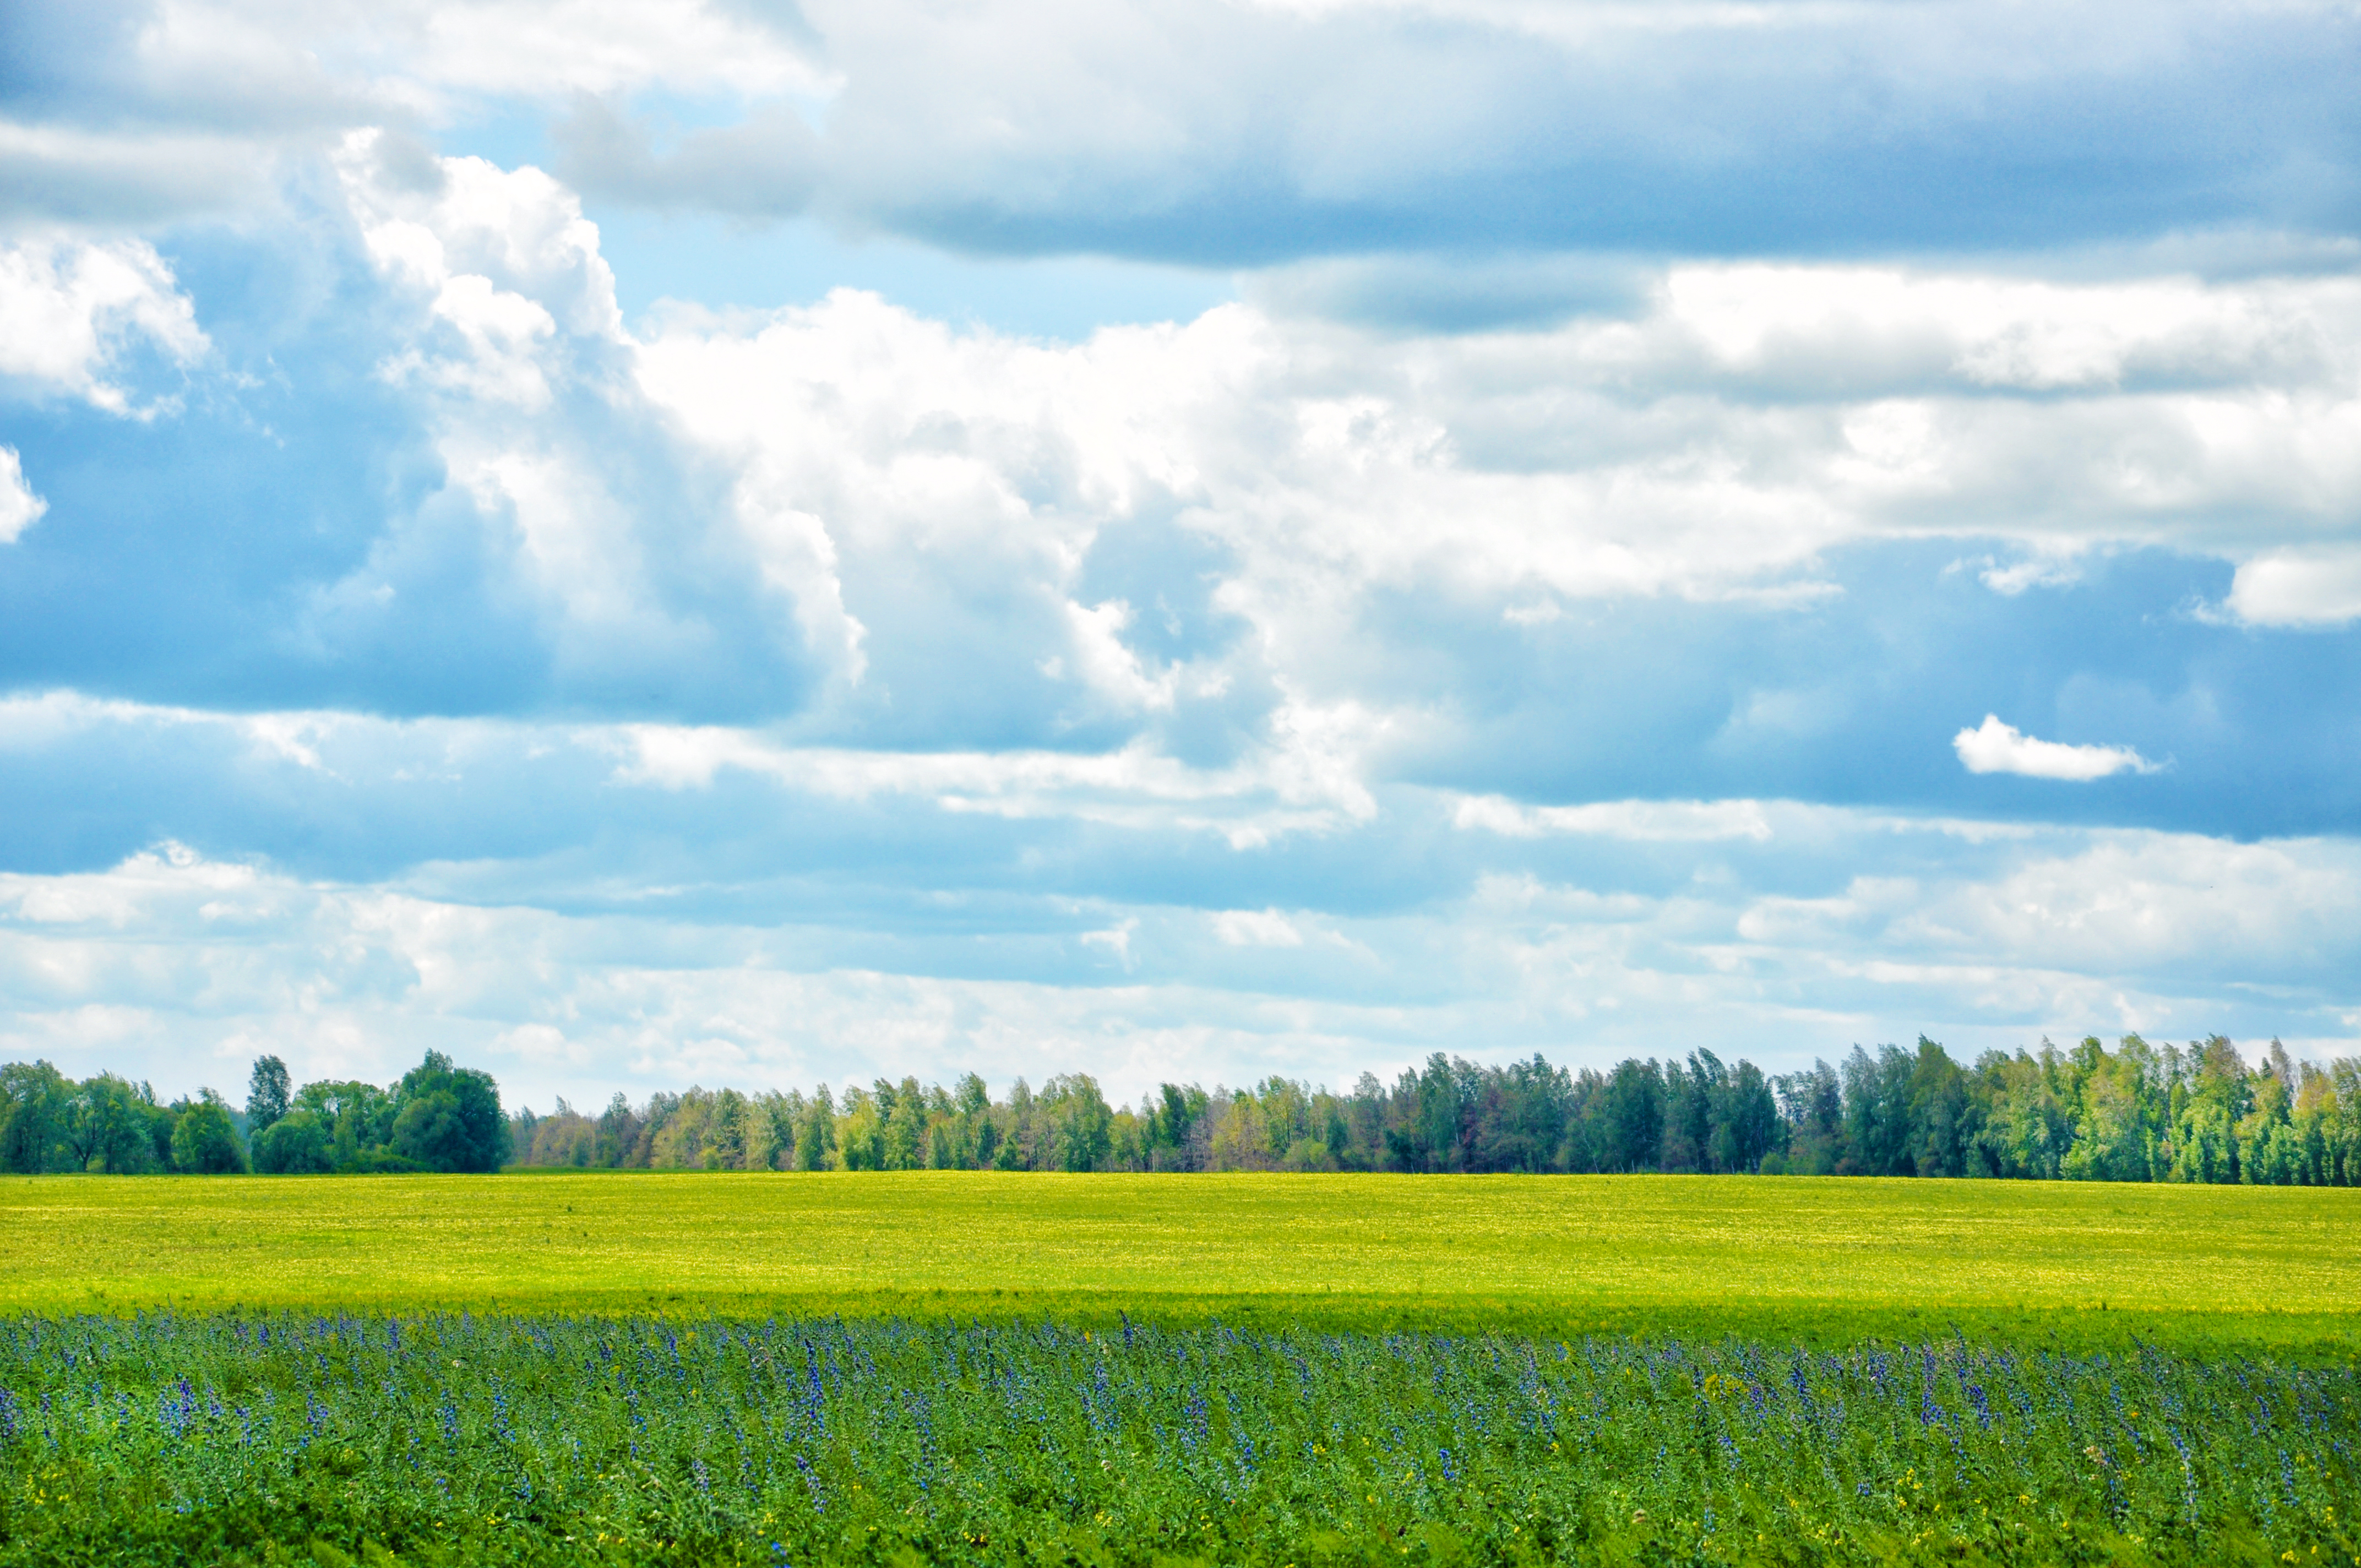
(1825, 1260)
(257, 1440)
(1167, 1371)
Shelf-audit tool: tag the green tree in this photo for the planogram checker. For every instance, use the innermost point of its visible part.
(1812, 1109)
(448, 1118)
(2027, 1127)
(36, 1101)
(1746, 1128)
(1878, 1140)
(204, 1140)
(860, 1132)
(2110, 1138)
(1631, 1113)
(902, 1113)
(1171, 1122)
(815, 1135)
(266, 1095)
(295, 1145)
(108, 1125)
(2204, 1131)
(1081, 1124)
(2314, 1128)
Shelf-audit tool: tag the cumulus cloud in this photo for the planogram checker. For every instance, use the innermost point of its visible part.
(73, 313)
(1222, 537)
(567, 494)
(1996, 748)
(579, 928)
(2299, 587)
(175, 965)
(1196, 697)
(19, 507)
(2129, 905)
(1719, 445)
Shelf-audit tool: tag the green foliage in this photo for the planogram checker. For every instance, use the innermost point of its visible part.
(115, 1127)
(266, 1095)
(2136, 1113)
(448, 1118)
(295, 1145)
(520, 1440)
(439, 1117)
(204, 1142)
(36, 1101)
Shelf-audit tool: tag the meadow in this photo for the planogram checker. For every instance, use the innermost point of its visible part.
(1826, 1259)
(959, 1368)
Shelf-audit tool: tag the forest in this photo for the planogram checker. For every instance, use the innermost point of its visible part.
(438, 1118)
(2137, 1113)
(2198, 1112)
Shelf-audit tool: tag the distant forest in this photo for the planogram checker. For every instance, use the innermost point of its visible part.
(2137, 1113)
(438, 1118)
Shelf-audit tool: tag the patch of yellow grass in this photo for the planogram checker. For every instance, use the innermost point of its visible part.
(1475, 1250)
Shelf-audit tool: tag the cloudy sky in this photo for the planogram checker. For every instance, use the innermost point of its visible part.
(644, 541)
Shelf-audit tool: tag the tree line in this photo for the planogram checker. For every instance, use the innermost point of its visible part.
(437, 1117)
(2134, 1112)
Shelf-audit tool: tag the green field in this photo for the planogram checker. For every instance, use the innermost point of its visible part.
(1032, 1369)
(1827, 1260)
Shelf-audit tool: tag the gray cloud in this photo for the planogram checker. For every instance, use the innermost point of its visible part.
(766, 165)
(1250, 137)
(1510, 624)
(1240, 136)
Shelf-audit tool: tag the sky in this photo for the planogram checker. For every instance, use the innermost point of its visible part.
(642, 542)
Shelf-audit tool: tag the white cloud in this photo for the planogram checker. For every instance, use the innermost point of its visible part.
(54, 174)
(2140, 907)
(1996, 748)
(2055, 570)
(1107, 666)
(1749, 420)
(1659, 821)
(1045, 608)
(545, 48)
(171, 965)
(1255, 928)
(1116, 939)
(19, 507)
(912, 510)
(2299, 587)
(71, 312)
(584, 501)
(199, 107)
(1285, 790)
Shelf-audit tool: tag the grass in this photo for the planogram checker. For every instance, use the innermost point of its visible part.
(1165, 1371)
(1828, 1261)
(261, 1440)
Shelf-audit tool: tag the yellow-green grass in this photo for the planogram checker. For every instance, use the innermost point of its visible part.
(1837, 1258)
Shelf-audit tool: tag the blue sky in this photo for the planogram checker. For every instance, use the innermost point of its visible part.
(750, 543)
